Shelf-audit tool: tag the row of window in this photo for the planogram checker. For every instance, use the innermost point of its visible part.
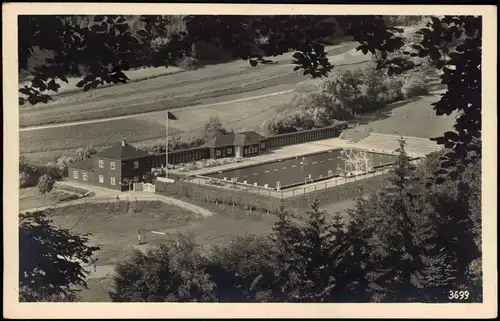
(112, 165)
(218, 152)
(84, 175)
(101, 178)
(249, 150)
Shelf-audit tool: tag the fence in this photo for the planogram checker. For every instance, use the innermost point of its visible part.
(200, 153)
(314, 186)
(147, 187)
(301, 137)
(181, 156)
(254, 199)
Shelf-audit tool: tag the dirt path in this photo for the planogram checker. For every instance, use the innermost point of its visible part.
(139, 196)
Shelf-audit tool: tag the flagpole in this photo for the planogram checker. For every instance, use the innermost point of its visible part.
(166, 145)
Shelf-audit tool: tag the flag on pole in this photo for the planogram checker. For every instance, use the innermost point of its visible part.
(171, 116)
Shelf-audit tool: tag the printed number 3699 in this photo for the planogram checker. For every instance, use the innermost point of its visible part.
(458, 295)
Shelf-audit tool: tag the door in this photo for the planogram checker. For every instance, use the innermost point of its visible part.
(238, 152)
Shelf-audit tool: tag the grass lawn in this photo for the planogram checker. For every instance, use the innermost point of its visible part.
(40, 146)
(98, 135)
(414, 117)
(115, 230)
(30, 197)
(209, 74)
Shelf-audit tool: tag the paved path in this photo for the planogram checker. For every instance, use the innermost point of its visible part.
(139, 196)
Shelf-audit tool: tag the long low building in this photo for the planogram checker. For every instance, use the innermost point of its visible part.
(121, 165)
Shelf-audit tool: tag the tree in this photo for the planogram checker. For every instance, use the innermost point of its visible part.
(45, 184)
(321, 252)
(174, 272)
(243, 270)
(84, 153)
(212, 127)
(394, 230)
(107, 46)
(28, 173)
(286, 234)
(63, 163)
(313, 259)
(454, 45)
(50, 260)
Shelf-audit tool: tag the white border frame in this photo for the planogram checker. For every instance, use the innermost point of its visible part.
(14, 309)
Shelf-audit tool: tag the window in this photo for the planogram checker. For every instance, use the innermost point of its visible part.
(84, 176)
(75, 174)
(113, 182)
(217, 152)
(101, 179)
(112, 165)
(262, 145)
(101, 163)
(136, 164)
(229, 151)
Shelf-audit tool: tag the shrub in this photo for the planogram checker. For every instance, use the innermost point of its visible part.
(188, 63)
(63, 163)
(45, 184)
(83, 153)
(29, 173)
(365, 90)
(52, 170)
(415, 85)
(26, 180)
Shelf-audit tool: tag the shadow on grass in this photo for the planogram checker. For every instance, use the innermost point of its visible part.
(381, 113)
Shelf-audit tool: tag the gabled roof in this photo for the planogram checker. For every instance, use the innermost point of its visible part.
(122, 151)
(248, 138)
(239, 139)
(221, 140)
(86, 164)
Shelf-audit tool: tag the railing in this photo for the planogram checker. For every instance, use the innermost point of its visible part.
(327, 182)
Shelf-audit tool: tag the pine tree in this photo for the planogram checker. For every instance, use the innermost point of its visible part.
(286, 236)
(395, 234)
(319, 257)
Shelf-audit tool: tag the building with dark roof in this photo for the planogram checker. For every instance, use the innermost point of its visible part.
(120, 165)
(244, 144)
(116, 167)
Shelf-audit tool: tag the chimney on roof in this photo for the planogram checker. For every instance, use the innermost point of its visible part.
(123, 142)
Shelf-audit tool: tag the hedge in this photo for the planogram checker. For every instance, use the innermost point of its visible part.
(268, 204)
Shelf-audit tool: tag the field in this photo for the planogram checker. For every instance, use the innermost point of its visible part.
(115, 230)
(242, 96)
(415, 117)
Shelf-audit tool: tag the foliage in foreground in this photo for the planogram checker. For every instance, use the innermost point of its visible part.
(409, 242)
(108, 46)
(51, 260)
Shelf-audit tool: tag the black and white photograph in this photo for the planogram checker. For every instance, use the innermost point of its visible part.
(179, 156)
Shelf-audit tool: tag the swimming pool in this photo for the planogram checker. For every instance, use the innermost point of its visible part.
(297, 170)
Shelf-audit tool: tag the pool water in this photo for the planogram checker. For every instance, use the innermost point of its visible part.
(293, 171)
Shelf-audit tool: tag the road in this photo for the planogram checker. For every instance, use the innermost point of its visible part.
(210, 86)
(105, 119)
(242, 97)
